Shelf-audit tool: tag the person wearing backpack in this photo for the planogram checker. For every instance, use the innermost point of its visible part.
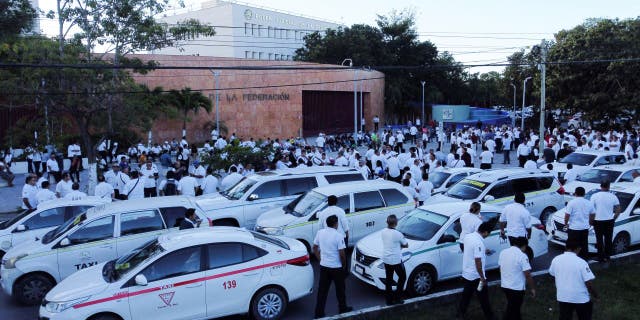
(169, 187)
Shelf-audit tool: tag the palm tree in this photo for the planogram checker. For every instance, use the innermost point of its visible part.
(185, 100)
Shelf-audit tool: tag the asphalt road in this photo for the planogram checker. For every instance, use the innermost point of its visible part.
(359, 295)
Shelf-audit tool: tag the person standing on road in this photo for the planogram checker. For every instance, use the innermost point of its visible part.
(473, 267)
(607, 208)
(64, 186)
(506, 148)
(134, 188)
(486, 158)
(44, 194)
(523, 152)
(150, 174)
(515, 269)
(392, 243)
(53, 168)
(574, 287)
(29, 192)
(104, 190)
(469, 222)
(75, 193)
(579, 212)
(425, 187)
(516, 218)
(332, 209)
(376, 123)
(329, 248)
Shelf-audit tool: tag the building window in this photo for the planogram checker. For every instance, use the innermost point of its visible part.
(261, 55)
(283, 33)
(247, 28)
(277, 57)
(247, 54)
(260, 31)
(269, 32)
(254, 32)
(254, 55)
(270, 56)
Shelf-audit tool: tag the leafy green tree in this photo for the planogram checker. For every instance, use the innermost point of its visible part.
(187, 101)
(16, 16)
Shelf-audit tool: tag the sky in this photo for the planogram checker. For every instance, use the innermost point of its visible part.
(474, 31)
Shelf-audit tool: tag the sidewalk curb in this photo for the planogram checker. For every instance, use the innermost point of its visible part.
(445, 297)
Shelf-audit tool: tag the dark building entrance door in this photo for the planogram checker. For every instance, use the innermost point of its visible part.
(330, 112)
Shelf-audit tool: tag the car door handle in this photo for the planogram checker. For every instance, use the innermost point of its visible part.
(195, 285)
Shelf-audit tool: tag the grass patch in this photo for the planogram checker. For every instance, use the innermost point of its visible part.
(617, 286)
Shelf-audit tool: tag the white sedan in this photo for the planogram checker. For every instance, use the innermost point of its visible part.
(434, 253)
(592, 178)
(192, 274)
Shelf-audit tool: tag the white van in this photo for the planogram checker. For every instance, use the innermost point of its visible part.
(101, 234)
(243, 203)
(35, 224)
(367, 204)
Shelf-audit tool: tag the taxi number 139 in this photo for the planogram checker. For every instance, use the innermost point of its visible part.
(229, 284)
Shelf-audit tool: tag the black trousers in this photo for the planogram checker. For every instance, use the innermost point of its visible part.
(506, 159)
(150, 192)
(389, 270)
(604, 234)
(485, 166)
(582, 236)
(375, 126)
(30, 165)
(483, 297)
(583, 310)
(327, 276)
(514, 303)
(36, 166)
(522, 160)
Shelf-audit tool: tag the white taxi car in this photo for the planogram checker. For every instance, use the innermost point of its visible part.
(33, 225)
(445, 178)
(434, 254)
(583, 160)
(592, 178)
(100, 234)
(192, 274)
(243, 203)
(498, 187)
(367, 204)
(626, 230)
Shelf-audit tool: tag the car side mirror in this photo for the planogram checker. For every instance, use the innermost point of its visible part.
(489, 198)
(314, 217)
(447, 238)
(21, 228)
(65, 242)
(253, 196)
(141, 280)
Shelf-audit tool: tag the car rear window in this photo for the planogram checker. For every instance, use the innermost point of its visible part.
(337, 178)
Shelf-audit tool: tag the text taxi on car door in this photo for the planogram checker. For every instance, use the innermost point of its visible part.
(48, 215)
(100, 234)
(434, 253)
(626, 229)
(191, 274)
(366, 203)
(498, 187)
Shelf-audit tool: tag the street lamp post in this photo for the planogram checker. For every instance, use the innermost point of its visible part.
(355, 99)
(524, 91)
(216, 74)
(513, 119)
(422, 119)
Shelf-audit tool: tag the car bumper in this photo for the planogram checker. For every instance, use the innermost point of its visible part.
(559, 237)
(64, 315)
(368, 275)
(8, 277)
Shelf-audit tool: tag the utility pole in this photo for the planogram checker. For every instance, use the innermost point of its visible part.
(216, 74)
(543, 68)
(513, 119)
(524, 94)
(422, 119)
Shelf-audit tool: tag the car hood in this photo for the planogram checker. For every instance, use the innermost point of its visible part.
(275, 218)
(215, 202)
(371, 245)
(85, 282)
(29, 247)
(440, 198)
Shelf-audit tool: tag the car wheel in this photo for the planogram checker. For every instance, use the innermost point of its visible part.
(105, 317)
(421, 281)
(269, 303)
(31, 289)
(546, 213)
(621, 243)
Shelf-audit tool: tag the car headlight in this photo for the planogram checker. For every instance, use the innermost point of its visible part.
(57, 307)
(273, 231)
(10, 263)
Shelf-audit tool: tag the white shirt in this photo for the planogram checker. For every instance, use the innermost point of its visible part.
(52, 165)
(103, 190)
(200, 171)
(530, 164)
(75, 195)
(513, 263)
(343, 223)
(571, 175)
(604, 203)
(210, 185)
(412, 191)
(571, 273)
(486, 156)
(469, 223)
(518, 220)
(29, 192)
(134, 189)
(187, 186)
(523, 150)
(45, 195)
(329, 242)
(579, 210)
(392, 240)
(394, 167)
(230, 180)
(149, 175)
(63, 188)
(473, 248)
(425, 187)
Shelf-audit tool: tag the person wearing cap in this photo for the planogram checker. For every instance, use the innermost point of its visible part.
(150, 174)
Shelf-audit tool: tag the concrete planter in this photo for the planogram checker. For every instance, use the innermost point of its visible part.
(20, 167)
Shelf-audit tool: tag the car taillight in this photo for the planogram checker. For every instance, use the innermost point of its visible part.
(561, 190)
(300, 261)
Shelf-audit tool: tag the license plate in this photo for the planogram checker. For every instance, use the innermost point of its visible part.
(359, 269)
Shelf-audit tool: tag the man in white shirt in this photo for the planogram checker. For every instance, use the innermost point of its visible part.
(103, 189)
(573, 279)
(607, 208)
(231, 179)
(473, 272)
(516, 218)
(210, 182)
(198, 172)
(486, 158)
(53, 168)
(187, 185)
(515, 270)
(571, 174)
(425, 187)
(392, 243)
(44, 194)
(579, 212)
(394, 168)
(329, 248)
(469, 222)
(150, 174)
(332, 209)
(134, 188)
(523, 152)
(75, 193)
(64, 186)
(29, 192)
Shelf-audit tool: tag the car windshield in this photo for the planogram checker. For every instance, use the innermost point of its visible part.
(467, 189)
(236, 192)
(599, 175)
(578, 159)
(63, 228)
(420, 224)
(623, 197)
(438, 178)
(116, 269)
(308, 203)
(7, 223)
